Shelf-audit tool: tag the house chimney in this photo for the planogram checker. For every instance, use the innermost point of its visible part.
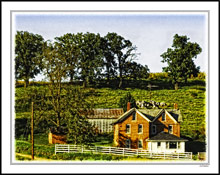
(128, 106)
(175, 106)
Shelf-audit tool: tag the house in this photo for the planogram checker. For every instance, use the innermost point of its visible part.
(156, 130)
(103, 118)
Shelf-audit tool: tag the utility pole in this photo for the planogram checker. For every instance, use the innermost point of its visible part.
(32, 131)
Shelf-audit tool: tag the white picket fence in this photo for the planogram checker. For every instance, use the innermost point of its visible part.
(67, 148)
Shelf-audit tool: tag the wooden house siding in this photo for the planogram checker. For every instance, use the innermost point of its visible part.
(120, 135)
(163, 125)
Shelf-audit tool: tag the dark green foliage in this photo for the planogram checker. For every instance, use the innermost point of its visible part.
(90, 63)
(135, 71)
(22, 128)
(80, 131)
(69, 50)
(28, 51)
(123, 51)
(124, 101)
(180, 59)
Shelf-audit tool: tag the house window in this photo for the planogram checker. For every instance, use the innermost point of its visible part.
(173, 145)
(140, 144)
(134, 116)
(167, 145)
(158, 144)
(128, 128)
(163, 117)
(140, 128)
(128, 143)
(170, 129)
(154, 129)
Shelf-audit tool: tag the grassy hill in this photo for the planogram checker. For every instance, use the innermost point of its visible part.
(190, 98)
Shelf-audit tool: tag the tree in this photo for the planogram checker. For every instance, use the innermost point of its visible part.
(28, 50)
(70, 51)
(90, 62)
(55, 69)
(122, 50)
(124, 101)
(108, 57)
(80, 131)
(180, 59)
(67, 102)
(135, 71)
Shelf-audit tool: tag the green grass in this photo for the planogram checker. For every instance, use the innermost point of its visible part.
(190, 98)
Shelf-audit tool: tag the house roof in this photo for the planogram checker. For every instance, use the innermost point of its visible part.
(151, 114)
(104, 113)
(164, 136)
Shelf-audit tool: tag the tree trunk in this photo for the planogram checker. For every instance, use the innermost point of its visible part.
(71, 79)
(120, 77)
(120, 82)
(26, 82)
(176, 86)
(85, 82)
(108, 75)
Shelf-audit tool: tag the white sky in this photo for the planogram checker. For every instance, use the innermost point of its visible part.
(152, 33)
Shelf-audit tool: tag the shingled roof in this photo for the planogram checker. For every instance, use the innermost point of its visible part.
(164, 136)
(151, 114)
(104, 113)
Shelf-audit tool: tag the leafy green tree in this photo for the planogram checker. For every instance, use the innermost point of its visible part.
(28, 50)
(90, 62)
(67, 102)
(124, 101)
(77, 106)
(55, 70)
(69, 49)
(108, 57)
(180, 59)
(122, 50)
(80, 131)
(135, 71)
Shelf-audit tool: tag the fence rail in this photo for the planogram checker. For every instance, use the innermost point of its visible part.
(66, 148)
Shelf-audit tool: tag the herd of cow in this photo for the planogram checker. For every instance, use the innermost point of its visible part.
(151, 104)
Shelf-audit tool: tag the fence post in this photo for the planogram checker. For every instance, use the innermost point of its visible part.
(68, 148)
(164, 155)
(82, 149)
(137, 152)
(123, 151)
(178, 155)
(55, 149)
(191, 155)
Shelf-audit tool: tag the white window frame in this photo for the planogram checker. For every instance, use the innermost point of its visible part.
(129, 129)
(170, 132)
(154, 131)
(141, 144)
(141, 129)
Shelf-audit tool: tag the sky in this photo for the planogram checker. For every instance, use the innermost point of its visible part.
(151, 33)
